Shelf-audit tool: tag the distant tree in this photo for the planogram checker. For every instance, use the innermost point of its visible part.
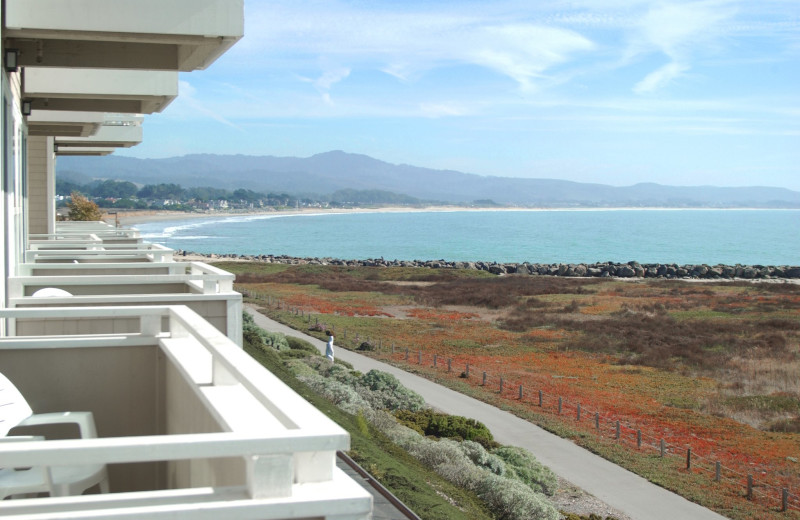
(81, 208)
(114, 189)
(207, 193)
(161, 191)
(64, 188)
(246, 195)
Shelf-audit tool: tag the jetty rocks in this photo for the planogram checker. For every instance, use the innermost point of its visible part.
(599, 269)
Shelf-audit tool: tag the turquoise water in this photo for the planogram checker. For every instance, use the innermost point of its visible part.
(767, 237)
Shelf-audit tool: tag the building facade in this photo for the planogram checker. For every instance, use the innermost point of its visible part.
(96, 323)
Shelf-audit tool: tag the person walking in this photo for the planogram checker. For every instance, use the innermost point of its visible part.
(329, 347)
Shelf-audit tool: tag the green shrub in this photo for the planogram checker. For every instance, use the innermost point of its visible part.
(513, 500)
(301, 344)
(523, 466)
(385, 392)
(293, 354)
(436, 424)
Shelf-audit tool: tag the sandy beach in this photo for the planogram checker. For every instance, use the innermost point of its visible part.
(131, 218)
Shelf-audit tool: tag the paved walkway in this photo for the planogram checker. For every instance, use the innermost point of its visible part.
(619, 488)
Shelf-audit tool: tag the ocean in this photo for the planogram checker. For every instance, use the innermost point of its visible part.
(731, 236)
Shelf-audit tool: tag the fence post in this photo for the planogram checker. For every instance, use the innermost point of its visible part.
(597, 420)
(520, 392)
(663, 447)
(617, 436)
(784, 499)
(578, 414)
(688, 458)
(434, 359)
(419, 356)
(560, 402)
(716, 471)
(501, 384)
(484, 379)
(467, 370)
(540, 398)
(392, 347)
(749, 487)
(406, 353)
(344, 333)
(639, 439)
(449, 365)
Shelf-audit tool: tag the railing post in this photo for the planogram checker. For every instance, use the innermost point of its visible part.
(617, 435)
(484, 379)
(716, 471)
(501, 384)
(419, 356)
(688, 458)
(520, 392)
(540, 398)
(597, 420)
(449, 365)
(639, 439)
(663, 447)
(560, 402)
(434, 359)
(467, 370)
(749, 487)
(784, 499)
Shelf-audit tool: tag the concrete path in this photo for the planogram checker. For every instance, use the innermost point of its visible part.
(617, 487)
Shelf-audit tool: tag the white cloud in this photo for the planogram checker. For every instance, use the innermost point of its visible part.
(680, 31)
(331, 77)
(408, 43)
(659, 78)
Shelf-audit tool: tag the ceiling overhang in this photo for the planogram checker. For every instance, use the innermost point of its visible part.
(106, 136)
(73, 124)
(97, 151)
(99, 90)
(178, 35)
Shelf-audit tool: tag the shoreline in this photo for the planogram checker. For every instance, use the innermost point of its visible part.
(131, 218)
(628, 271)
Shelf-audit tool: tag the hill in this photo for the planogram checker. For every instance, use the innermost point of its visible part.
(326, 173)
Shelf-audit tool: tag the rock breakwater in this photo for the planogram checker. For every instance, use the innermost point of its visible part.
(599, 269)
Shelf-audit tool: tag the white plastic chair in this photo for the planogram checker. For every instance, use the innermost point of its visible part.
(55, 480)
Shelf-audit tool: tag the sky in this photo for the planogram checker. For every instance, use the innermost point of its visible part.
(607, 91)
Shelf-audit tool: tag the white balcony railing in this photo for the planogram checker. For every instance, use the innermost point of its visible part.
(199, 277)
(101, 253)
(189, 425)
(203, 288)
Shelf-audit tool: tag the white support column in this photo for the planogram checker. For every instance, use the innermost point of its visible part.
(269, 476)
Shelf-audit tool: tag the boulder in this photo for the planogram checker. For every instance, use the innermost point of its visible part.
(626, 271)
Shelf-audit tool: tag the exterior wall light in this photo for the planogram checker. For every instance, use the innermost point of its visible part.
(26, 107)
(11, 60)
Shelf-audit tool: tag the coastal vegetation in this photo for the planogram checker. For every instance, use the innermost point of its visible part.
(712, 367)
(509, 481)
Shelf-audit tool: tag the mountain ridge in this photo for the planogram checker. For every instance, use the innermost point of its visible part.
(327, 172)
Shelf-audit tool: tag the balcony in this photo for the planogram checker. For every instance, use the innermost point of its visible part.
(189, 425)
(203, 288)
(87, 253)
